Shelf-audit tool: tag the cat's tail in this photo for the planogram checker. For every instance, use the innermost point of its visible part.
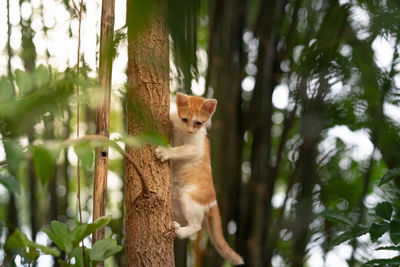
(213, 221)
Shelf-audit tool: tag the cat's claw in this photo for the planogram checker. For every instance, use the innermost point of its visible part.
(162, 153)
(175, 225)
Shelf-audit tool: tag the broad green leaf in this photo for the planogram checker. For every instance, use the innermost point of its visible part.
(337, 216)
(377, 230)
(384, 210)
(24, 81)
(82, 231)
(384, 262)
(103, 249)
(354, 232)
(58, 241)
(62, 232)
(390, 175)
(394, 231)
(14, 154)
(19, 243)
(9, 182)
(44, 162)
(85, 152)
(78, 234)
(77, 253)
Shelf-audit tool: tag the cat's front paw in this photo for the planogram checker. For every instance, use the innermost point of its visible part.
(162, 153)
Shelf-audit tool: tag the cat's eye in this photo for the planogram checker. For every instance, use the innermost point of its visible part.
(199, 123)
(184, 120)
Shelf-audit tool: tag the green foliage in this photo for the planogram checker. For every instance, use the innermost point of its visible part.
(18, 243)
(67, 241)
(103, 249)
(85, 152)
(390, 175)
(385, 222)
(45, 163)
(9, 182)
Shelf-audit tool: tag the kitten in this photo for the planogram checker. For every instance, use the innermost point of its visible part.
(193, 193)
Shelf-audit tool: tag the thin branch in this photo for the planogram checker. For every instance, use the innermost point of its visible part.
(145, 188)
(77, 123)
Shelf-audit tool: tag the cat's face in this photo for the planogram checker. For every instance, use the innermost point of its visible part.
(194, 111)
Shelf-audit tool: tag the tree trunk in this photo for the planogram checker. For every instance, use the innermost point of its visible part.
(103, 113)
(148, 217)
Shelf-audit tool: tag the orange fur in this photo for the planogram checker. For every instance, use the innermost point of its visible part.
(193, 193)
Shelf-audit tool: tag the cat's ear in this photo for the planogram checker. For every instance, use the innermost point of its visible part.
(181, 99)
(209, 106)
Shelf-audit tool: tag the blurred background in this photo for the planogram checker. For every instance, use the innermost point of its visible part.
(307, 123)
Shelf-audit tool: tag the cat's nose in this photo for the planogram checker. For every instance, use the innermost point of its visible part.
(190, 130)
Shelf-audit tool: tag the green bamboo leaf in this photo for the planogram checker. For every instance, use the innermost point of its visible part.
(44, 162)
(394, 231)
(354, 232)
(9, 182)
(394, 248)
(337, 216)
(384, 262)
(384, 210)
(390, 175)
(377, 230)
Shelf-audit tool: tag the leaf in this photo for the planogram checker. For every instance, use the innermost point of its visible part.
(85, 152)
(24, 81)
(44, 162)
(354, 232)
(384, 210)
(394, 231)
(6, 91)
(42, 75)
(79, 233)
(12, 184)
(377, 230)
(395, 248)
(62, 233)
(14, 154)
(337, 216)
(154, 138)
(383, 262)
(56, 240)
(18, 243)
(103, 249)
(77, 253)
(390, 175)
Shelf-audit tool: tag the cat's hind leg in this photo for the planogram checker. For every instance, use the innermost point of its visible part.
(193, 213)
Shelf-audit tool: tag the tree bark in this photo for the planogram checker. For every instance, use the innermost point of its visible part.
(103, 113)
(149, 241)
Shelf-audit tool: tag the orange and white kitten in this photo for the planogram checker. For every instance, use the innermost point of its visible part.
(193, 193)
